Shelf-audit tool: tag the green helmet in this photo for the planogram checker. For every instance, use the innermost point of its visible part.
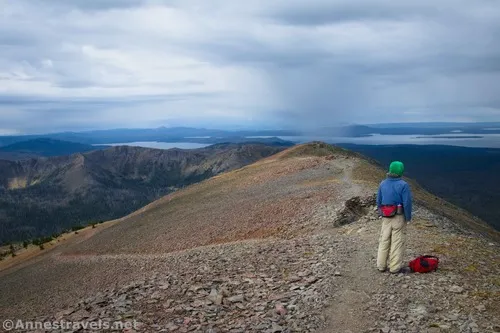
(397, 168)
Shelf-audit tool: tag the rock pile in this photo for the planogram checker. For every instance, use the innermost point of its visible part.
(354, 209)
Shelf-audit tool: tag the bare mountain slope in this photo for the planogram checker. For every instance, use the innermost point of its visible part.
(285, 244)
(42, 196)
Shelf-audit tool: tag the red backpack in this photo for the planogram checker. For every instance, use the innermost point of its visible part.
(424, 264)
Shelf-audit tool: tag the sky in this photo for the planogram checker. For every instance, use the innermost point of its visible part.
(95, 64)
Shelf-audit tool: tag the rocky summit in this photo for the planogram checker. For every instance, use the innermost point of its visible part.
(287, 244)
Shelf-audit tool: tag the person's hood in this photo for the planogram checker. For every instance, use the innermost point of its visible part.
(397, 168)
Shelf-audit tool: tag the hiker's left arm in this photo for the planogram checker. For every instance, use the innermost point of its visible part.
(407, 202)
(379, 196)
(379, 199)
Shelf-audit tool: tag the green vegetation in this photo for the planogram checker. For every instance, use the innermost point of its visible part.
(42, 240)
(33, 220)
(12, 250)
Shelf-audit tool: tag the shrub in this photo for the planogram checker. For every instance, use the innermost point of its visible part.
(77, 227)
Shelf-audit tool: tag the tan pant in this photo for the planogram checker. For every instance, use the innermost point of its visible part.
(393, 239)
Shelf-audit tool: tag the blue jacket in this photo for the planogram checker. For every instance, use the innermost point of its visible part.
(393, 191)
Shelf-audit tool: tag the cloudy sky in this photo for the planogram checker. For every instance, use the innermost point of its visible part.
(85, 64)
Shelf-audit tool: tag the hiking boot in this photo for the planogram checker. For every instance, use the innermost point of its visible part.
(403, 270)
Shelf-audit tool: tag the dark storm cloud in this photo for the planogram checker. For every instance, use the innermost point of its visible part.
(92, 4)
(344, 11)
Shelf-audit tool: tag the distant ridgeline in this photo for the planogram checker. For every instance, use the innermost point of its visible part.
(43, 147)
(47, 146)
(46, 196)
(212, 136)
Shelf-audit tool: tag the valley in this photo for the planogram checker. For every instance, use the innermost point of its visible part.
(43, 197)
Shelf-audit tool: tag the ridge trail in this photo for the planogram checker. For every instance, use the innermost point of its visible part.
(286, 245)
(359, 282)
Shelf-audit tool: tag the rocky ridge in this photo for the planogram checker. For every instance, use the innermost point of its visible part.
(285, 245)
(284, 285)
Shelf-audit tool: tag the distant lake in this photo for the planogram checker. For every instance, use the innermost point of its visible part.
(457, 139)
(159, 145)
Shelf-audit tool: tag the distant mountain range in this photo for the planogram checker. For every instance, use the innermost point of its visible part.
(212, 136)
(162, 134)
(43, 196)
(453, 125)
(48, 147)
(43, 147)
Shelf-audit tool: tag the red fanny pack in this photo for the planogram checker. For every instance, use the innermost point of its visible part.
(388, 210)
(424, 264)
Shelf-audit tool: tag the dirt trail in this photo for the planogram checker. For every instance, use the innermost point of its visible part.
(359, 282)
(347, 311)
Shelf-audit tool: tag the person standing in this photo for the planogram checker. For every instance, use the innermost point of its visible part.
(394, 202)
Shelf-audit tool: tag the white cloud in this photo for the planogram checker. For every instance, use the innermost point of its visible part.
(134, 63)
